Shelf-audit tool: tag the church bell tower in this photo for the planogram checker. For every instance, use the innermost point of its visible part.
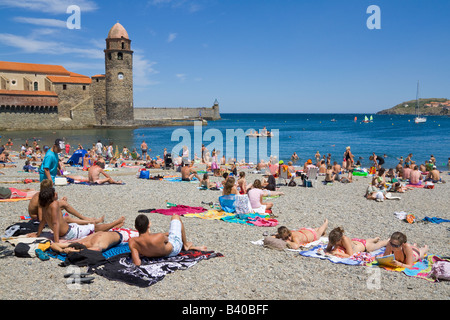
(119, 76)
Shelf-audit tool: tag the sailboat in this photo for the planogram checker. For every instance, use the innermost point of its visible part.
(418, 118)
(371, 118)
(366, 120)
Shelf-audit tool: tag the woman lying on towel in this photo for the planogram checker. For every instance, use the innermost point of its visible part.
(296, 239)
(13, 193)
(405, 254)
(342, 246)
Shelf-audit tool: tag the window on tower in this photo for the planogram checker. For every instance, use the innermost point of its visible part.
(120, 76)
(120, 56)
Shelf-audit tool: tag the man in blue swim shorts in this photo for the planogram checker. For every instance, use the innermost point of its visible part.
(159, 245)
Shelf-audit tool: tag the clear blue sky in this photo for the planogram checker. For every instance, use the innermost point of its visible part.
(252, 55)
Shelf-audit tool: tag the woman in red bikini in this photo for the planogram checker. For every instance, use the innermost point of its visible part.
(342, 246)
(405, 254)
(295, 239)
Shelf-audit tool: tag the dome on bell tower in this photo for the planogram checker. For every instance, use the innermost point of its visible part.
(118, 32)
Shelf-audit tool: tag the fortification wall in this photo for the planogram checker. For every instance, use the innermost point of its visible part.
(176, 113)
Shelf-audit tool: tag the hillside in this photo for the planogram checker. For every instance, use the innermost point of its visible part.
(425, 105)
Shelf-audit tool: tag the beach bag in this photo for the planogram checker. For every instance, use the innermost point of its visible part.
(144, 174)
(242, 204)
(441, 270)
(228, 203)
(292, 183)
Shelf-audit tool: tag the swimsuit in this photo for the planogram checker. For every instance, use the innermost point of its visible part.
(310, 230)
(363, 241)
(175, 238)
(77, 231)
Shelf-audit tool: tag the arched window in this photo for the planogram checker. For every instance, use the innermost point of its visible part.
(123, 45)
(120, 56)
(120, 76)
(36, 86)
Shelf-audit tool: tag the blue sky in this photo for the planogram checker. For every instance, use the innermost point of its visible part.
(299, 56)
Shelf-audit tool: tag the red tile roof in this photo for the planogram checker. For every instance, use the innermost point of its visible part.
(28, 93)
(33, 68)
(73, 80)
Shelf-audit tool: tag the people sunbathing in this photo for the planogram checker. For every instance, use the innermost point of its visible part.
(342, 246)
(405, 254)
(159, 245)
(256, 195)
(296, 238)
(98, 241)
(52, 216)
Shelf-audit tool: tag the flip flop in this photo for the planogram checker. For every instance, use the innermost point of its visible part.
(86, 280)
(41, 255)
(76, 275)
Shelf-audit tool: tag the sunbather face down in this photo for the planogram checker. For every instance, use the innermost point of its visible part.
(342, 246)
(295, 239)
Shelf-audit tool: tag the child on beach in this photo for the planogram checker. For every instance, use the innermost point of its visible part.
(405, 254)
(342, 246)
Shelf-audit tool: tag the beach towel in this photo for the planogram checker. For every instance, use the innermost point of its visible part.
(435, 220)
(152, 270)
(15, 200)
(179, 210)
(210, 215)
(358, 259)
(415, 185)
(178, 179)
(421, 269)
(253, 219)
(87, 183)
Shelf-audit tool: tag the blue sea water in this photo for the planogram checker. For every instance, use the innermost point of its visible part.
(305, 134)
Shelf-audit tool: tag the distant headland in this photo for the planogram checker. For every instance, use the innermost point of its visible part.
(430, 107)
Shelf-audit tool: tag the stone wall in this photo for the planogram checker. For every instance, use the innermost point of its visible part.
(98, 90)
(176, 113)
(70, 95)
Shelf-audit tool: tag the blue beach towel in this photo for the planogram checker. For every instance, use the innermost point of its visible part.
(435, 220)
(312, 253)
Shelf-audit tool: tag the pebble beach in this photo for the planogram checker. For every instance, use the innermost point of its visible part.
(246, 271)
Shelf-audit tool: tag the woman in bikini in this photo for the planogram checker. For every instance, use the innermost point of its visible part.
(296, 238)
(342, 246)
(405, 254)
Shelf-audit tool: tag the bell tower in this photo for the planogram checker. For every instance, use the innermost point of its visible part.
(119, 76)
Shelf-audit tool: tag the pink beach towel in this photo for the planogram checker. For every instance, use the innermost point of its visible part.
(179, 210)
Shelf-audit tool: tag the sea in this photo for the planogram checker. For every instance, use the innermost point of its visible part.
(389, 136)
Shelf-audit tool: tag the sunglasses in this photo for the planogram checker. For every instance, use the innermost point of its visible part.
(395, 245)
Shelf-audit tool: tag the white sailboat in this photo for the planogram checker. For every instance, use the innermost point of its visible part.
(418, 118)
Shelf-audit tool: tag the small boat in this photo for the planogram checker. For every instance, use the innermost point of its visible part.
(262, 133)
(418, 118)
(366, 120)
(333, 120)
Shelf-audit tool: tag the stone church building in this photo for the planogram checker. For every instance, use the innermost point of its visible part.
(37, 96)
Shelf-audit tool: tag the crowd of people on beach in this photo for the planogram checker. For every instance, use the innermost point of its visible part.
(84, 232)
